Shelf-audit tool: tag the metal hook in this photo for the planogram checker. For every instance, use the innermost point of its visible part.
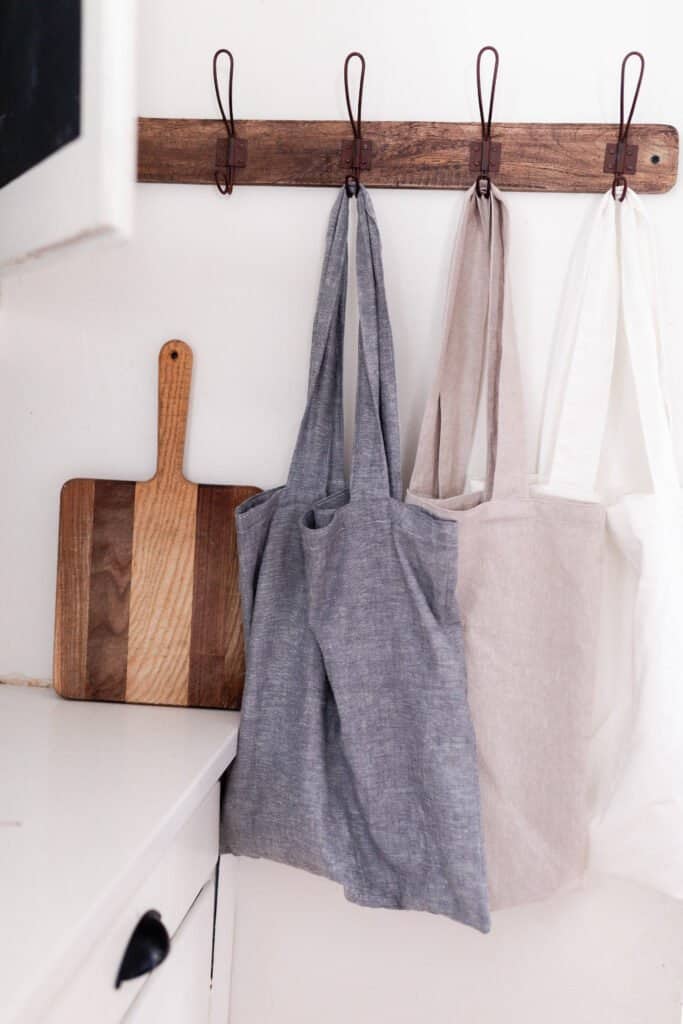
(623, 152)
(488, 158)
(357, 153)
(232, 152)
(355, 125)
(230, 128)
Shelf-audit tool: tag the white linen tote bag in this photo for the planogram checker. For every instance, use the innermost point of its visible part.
(608, 385)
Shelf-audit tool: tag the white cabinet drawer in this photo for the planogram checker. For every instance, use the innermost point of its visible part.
(178, 992)
(170, 888)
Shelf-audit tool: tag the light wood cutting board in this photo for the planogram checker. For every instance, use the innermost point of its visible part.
(148, 604)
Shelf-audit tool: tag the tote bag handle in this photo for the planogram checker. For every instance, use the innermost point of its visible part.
(317, 466)
(474, 347)
(376, 459)
(618, 288)
(643, 336)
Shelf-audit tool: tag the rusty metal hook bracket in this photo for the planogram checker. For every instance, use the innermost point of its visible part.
(231, 152)
(621, 158)
(485, 155)
(356, 153)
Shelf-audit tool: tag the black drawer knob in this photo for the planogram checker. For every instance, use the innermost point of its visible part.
(147, 948)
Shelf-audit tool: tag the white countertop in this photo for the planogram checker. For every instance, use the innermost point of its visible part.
(89, 796)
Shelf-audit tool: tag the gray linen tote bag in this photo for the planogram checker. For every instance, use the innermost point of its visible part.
(367, 778)
(528, 587)
(381, 599)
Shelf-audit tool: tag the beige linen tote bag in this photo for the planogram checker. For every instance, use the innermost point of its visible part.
(528, 584)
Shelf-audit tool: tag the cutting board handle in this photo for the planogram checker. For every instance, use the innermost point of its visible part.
(175, 376)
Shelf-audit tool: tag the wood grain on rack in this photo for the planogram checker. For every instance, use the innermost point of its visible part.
(406, 154)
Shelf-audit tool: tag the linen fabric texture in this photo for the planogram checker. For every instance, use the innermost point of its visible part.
(528, 584)
(356, 757)
(608, 386)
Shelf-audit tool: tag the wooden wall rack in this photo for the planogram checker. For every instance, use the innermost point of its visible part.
(408, 154)
(411, 154)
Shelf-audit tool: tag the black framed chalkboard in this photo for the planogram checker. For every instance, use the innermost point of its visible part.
(40, 81)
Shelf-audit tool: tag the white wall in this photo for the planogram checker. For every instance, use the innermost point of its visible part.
(236, 278)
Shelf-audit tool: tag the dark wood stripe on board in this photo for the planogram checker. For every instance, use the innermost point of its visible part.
(110, 575)
(217, 644)
(73, 588)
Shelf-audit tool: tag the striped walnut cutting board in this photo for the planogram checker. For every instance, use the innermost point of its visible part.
(147, 586)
